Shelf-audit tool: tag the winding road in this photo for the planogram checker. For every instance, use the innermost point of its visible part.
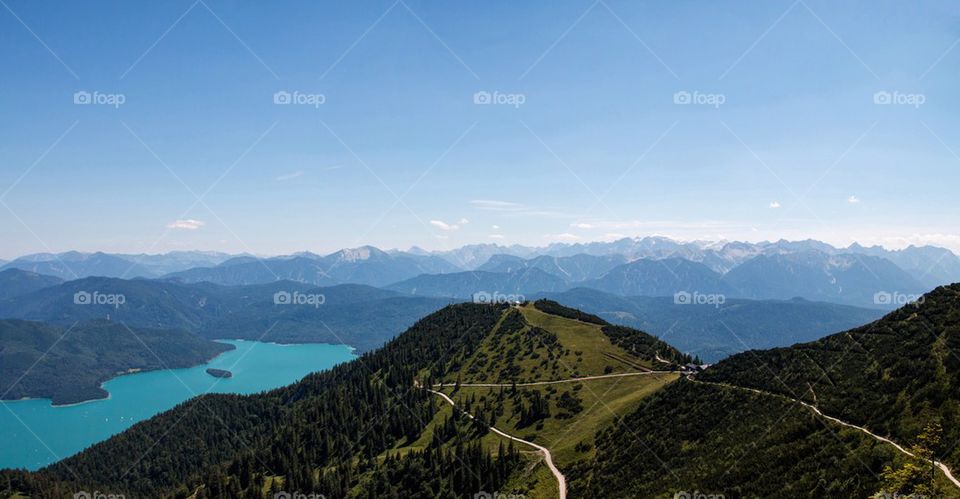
(548, 457)
(541, 383)
(562, 481)
(946, 471)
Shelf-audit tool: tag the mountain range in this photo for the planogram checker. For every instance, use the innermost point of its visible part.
(714, 332)
(364, 265)
(75, 265)
(361, 316)
(365, 317)
(650, 266)
(929, 264)
(859, 280)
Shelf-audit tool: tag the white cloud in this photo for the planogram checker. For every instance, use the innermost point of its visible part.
(495, 227)
(463, 221)
(853, 200)
(493, 205)
(565, 237)
(949, 241)
(581, 225)
(188, 224)
(290, 176)
(440, 224)
(775, 204)
(496, 236)
(516, 209)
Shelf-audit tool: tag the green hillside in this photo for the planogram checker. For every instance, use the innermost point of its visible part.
(526, 399)
(369, 428)
(739, 428)
(555, 376)
(893, 376)
(531, 345)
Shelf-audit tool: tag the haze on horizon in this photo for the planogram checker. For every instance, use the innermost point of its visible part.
(241, 128)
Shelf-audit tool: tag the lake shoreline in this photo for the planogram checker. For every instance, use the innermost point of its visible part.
(132, 370)
(55, 432)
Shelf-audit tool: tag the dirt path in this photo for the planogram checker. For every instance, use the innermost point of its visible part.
(540, 383)
(548, 457)
(946, 471)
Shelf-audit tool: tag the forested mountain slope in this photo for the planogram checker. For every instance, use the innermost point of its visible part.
(893, 376)
(216, 443)
(68, 363)
(740, 430)
(537, 399)
(369, 428)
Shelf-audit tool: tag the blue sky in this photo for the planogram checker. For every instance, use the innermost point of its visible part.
(585, 140)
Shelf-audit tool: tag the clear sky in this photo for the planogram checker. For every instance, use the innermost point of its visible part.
(697, 120)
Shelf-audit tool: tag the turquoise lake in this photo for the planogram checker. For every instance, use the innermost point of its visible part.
(34, 433)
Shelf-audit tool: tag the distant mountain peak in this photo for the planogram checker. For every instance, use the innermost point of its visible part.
(416, 250)
(306, 254)
(359, 254)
